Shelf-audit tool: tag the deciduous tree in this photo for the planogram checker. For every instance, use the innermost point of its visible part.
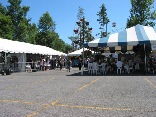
(142, 12)
(6, 27)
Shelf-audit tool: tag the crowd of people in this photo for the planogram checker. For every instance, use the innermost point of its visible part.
(44, 64)
(128, 64)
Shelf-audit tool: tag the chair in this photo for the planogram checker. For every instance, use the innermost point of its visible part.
(137, 67)
(103, 68)
(90, 68)
(126, 67)
(28, 68)
(151, 69)
(119, 66)
(95, 67)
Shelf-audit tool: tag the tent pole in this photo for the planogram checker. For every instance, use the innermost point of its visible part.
(5, 60)
(145, 56)
(83, 62)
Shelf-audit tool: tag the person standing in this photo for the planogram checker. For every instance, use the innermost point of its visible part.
(51, 63)
(80, 63)
(55, 64)
(69, 64)
(41, 65)
(58, 63)
(47, 63)
(61, 63)
(44, 64)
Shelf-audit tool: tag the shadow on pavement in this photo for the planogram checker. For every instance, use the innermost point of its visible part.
(85, 73)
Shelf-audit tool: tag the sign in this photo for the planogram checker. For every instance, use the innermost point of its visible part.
(153, 47)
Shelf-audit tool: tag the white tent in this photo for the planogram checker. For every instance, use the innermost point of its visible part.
(78, 52)
(22, 47)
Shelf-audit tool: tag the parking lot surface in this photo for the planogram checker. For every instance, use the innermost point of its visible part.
(56, 93)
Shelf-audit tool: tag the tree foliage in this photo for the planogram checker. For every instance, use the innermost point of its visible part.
(5, 24)
(80, 14)
(47, 35)
(103, 19)
(84, 35)
(142, 12)
(46, 23)
(32, 33)
(19, 20)
(67, 48)
(15, 25)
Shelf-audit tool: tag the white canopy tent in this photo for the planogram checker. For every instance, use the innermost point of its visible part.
(78, 52)
(22, 47)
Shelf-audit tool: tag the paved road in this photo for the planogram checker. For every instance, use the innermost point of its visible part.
(58, 93)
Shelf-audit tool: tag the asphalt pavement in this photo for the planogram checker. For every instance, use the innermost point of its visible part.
(56, 93)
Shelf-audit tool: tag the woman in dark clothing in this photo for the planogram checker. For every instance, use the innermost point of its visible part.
(80, 63)
(55, 64)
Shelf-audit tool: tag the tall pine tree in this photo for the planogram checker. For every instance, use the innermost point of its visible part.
(103, 19)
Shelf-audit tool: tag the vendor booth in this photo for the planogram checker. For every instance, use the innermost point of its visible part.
(136, 35)
(14, 54)
(76, 54)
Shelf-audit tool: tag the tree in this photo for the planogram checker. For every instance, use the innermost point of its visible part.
(5, 24)
(46, 23)
(80, 14)
(84, 33)
(19, 20)
(46, 28)
(103, 19)
(142, 12)
(67, 48)
(32, 33)
(47, 36)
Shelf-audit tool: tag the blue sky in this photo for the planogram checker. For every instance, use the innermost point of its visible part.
(64, 13)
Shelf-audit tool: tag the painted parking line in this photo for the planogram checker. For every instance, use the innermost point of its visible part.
(22, 102)
(9, 79)
(104, 108)
(45, 105)
(150, 82)
(38, 111)
(87, 107)
(27, 84)
(54, 103)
